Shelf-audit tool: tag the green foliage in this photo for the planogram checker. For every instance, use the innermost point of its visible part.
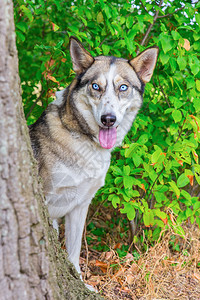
(154, 175)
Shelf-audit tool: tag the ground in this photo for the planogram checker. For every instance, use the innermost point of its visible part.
(168, 270)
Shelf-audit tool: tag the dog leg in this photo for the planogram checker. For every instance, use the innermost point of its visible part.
(74, 225)
(55, 225)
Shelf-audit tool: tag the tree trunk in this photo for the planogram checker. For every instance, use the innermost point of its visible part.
(32, 264)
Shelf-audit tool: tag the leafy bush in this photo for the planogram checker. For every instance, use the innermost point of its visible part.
(155, 176)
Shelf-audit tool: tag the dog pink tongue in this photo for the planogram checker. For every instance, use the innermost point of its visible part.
(107, 137)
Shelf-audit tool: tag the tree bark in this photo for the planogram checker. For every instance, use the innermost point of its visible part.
(32, 263)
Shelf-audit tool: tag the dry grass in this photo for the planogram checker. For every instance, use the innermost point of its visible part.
(160, 273)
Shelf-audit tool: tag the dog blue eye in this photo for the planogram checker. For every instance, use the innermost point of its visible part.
(123, 88)
(95, 86)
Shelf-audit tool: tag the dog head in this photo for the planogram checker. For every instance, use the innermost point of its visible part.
(112, 87)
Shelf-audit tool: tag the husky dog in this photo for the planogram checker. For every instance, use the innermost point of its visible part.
(74, 137)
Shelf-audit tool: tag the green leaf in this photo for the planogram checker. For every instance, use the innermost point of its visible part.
(164, 57)
(116, 170)
(196, 36)
(55, 27)
(197, 17)
(100, 17)
(73, 29)
(186, 195)
(177, 115)
(160, 197)
(194, 68)
(196, 205)
(27, 12)
(153, 175)
(135, 193)
(20, 35)
(137, 160)
(132, 33)
(179, 230)
(173, 63)
(148, 218)
(105, 49)
(149, 18)
(115, 200)
(128, 182)
(126, 170)
(190, 82)
(102, 4)
(182, 181)
(189, 212)
(178, 103)
(166, 42)
(129, 210)
(182, 63)
(186, 27)
(107, 11)
(83, 20)
(197, 178)
(160, 214)
(155, 156)
(59, 44)
(198, 85)
(168, 110)
(131, 214)
(120, 43)
(175, 35)
(192, 219)
(88, 14)
(143, 139)
(129, 22)
(122, 20)
(131, 150)
(118, 180)
(174, 188)
(22, 26)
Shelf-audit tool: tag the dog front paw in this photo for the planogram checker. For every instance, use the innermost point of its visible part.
(91, 288)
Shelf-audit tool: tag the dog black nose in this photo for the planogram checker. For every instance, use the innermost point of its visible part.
(108, 120)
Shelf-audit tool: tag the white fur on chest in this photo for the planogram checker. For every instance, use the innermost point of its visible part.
(76, 180)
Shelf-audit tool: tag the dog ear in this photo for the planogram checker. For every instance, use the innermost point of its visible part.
(144, 63)
(81, 58)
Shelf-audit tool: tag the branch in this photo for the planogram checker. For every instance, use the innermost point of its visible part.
(144, 7)
(163, 92)
(168, 15)
(133, 225)
(87, 253)
(151, 190)
(150, 27)
(103, 40)
(181, 132)
(34, 104)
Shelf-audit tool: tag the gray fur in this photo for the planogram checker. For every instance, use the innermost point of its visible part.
(66, 139)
